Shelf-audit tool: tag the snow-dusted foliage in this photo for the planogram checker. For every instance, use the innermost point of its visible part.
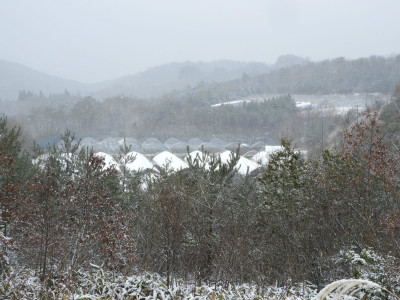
(6, 245)
(206, 229)
(138, 163)
(99, 284)
(371, 266)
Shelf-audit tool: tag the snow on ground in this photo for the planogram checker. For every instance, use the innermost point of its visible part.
(341, 102)
(140, 162)
(303, 104)
(167, 159)
(236, 102)
(101, 284)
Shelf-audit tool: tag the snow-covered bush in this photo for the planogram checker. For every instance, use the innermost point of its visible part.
(370, 265)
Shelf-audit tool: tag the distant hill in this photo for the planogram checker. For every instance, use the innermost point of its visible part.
(154, 82)
(341, 76)
(15, 77)
(159, 80)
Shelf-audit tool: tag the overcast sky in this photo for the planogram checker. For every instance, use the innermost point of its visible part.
(92, 40)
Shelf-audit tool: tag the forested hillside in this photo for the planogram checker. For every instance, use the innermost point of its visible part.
(160, 80)
(220, 80)
(373, 74)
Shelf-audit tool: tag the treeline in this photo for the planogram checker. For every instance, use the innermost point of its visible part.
(205, 223)
(28, 102)
(161, 119)
(363, 75)
(262, 121)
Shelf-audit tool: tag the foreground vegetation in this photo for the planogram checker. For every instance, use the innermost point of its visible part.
(301, 220)
(99, 284)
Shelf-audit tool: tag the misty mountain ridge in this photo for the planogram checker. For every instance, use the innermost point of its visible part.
(15, 77)
(374, 74)
(154, 82)
(159, 80)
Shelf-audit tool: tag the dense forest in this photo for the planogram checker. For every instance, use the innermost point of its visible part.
(301, 220)
(161, 119)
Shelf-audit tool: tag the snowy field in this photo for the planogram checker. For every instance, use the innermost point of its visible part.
(339, 102)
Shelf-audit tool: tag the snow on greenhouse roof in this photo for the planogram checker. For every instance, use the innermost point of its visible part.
(261, 157)
(140, 162)
(250, 154)
(243, 164)
(272, 149)
(108, 159)
(167, 159)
